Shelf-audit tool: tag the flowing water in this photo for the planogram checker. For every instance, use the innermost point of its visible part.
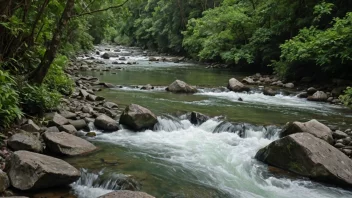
(178, 159)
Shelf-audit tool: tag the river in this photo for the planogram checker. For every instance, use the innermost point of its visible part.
(178, 159)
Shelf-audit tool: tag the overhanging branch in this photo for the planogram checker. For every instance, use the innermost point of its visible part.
(101, 10)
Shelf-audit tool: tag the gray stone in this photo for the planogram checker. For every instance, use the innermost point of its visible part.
(106, 123)
(92, 97)
(25, 141)
(68, 114)
(198, 118)
(57, 120)
(138, 118)
(339, 145)
(248, 80)
(289, 85)
(83, 93)
(30, 127)
(110, 105)
(236, 86)
(32, 171)
(52, 129)
(302, 95)
(346, 140)
(311, 91)
(308, 156)
(339, 135)
(318, 96)
(4, 181)
(179, 86)
(269, 91)
(313, 127)
(68, 128)
(126, 194)
(79, 124)
(66, 144)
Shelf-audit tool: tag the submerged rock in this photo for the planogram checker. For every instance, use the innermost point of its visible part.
(32, 171)
(126, 194)
(313, 127)
(179, 86)
(25, 141)
(198, 118)
(306, 155)
(138, 118)
(106, 123)
(67, 144)
(236, 86)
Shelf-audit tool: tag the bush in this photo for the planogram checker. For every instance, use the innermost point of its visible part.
(39, 99)
(9, 110)
(347, 97)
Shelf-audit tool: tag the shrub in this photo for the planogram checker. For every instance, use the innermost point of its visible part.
(39, 99)
(347, 97)
(9, 110)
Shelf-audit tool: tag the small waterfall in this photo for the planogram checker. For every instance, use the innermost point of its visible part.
(170, 123)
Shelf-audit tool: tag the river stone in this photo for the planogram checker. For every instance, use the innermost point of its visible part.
(106, 56)
(68, 114)
(25, 141)
(269, 92)
(248, 80)
(318, 96)
(30, 127)
(138, 118)
(306, 155)
(79, 124)
(236, 86)
(4, 181)
(313, 127)
(126, 194)
(179, 86)
(83, 93)
(303, 95)
(106, 123)
(198, 118)
(57, 120)
(68, 128)
(289, 85)
(339, 135)
(311, 90)
(32, 171)
(110, 105)
(67, 144)
(52, 129)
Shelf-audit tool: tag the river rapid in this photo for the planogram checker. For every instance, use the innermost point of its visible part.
(178, 159)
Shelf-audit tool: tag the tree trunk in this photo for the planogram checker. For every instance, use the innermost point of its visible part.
(40, 72)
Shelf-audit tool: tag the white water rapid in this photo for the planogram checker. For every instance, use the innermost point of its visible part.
(223, 161)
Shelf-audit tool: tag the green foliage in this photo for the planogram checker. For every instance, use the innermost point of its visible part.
(9, 110)
(38, 99)
(347, 97)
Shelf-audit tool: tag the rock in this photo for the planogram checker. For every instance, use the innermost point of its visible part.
(89, 120)
(122, 58)
(83, 93)
(32, 171)
(236, 86)
(248, 80)
(313, 127)
(58, 120)
(138, 118)
(25, 141)
(92, 97)
(179, 86)
(153, 59)
(52, 129)
(339, 145)
(198, 118)
(318, 96)
(108, 85)
(339, 135)
(30, 127)
(346, 140)
(311, 91)
(289, 85)
(330, 99)
(306, 155)
(110, 105)
(348, 152)
(106, 56)
(4, 181)
(240, 99)
(68, 128)
(79, 124)
(68, 114)
(106, 123)
(87, 109)
(269, 92)
(91, 134)
(147, 87)
(126, 194)
(66, 144)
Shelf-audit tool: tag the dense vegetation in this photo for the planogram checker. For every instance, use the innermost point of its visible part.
(294, 39)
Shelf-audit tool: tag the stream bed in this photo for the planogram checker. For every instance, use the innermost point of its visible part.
(178, 159)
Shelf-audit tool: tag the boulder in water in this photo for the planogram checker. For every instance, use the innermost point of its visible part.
(236, 86)
(306, 155)
(106, 123)
(198, 118)
(318, 96)
(224, 126)
(106, 56)
(126, 194)
(269, 91)
(138, 118)
(179, 86)
(313, 127)
(32, 171)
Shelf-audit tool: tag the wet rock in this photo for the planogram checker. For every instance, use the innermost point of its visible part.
(289, 85)
(236, 86)
(311, 91)
(318, 96)
(79, 124)
(179, 86)
(308, 156)
(269, 92)
(32, 171)
(106, 123)
(126, 194)
(68, 129)
(57, 120)
(52, 129)
(91, 134)
(89, 120)
(66, 144)
(138, 118)
(303, 95)
(147, 87)
(313, 127)
(198, 118)
(106, 56)
(339, 135)
(240, 99)
(153, 59)
(25, 141)
(4, 181)
(30, 127)
(108, 112)
(110, 105)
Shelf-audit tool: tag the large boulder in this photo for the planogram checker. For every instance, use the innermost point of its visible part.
(198, 118)
(79, 124)
(25, 141)
(269, 91)
(4, 181)
(306, 155)
(179, 86)
(32, 171)
(30, 127)
(56, 120)
(313, 127)
(236, 86)
(67, 144)
(106, 123)
(126, 194)
(138, 118)
(318, 96)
